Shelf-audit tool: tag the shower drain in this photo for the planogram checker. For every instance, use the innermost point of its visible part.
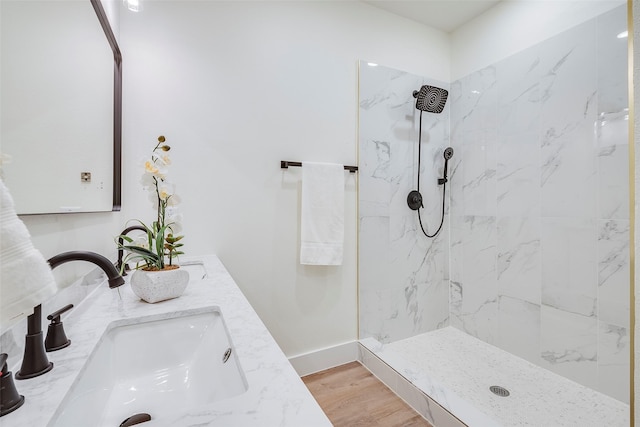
(500, 391)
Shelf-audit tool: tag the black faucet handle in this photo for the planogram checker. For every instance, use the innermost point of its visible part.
(56, 338)
(55, 316)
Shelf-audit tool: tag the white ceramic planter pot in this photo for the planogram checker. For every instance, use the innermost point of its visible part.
(156, 286)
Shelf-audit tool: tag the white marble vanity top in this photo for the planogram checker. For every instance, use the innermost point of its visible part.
(276, 395)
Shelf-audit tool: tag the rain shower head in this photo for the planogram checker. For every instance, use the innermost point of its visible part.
(430, 99)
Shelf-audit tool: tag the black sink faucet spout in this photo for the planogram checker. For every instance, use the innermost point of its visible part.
(121, 251)
(113, 276)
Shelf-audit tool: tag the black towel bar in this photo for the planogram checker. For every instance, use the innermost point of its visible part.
(284, 164)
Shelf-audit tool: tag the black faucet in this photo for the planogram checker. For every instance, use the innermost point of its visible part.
(120, 251)
(113, 276)
(35, 360)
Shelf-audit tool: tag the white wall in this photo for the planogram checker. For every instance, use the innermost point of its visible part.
(236, 87)
(512, 26)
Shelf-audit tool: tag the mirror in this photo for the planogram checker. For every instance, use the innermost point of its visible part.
(61, 106)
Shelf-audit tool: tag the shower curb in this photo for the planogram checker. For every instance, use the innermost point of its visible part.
(414, 397)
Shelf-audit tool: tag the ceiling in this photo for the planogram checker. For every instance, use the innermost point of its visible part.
(445, 15)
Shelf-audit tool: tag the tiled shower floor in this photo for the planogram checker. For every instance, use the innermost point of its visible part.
(456, 370)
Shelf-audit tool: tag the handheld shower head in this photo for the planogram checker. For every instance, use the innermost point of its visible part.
(430, 99)
(448, 153)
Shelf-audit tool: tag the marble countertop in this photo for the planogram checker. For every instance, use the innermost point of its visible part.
(276, 395)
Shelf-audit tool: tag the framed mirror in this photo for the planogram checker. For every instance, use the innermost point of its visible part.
(61, 111)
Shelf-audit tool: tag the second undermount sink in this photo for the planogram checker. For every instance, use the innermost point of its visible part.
(159, 367)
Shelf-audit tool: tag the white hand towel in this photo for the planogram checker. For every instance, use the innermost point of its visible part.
(26, 279)
(322, 217)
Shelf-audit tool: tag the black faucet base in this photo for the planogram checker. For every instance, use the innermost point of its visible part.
(10, 400)
(4, 411)
(35, 361)
(21, 376)
(60, 347)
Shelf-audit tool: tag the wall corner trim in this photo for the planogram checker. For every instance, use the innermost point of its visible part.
(325, 358)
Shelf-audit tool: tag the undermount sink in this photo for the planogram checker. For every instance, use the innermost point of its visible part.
(159, 367)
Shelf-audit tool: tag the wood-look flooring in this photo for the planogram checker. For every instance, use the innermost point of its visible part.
(351, 396)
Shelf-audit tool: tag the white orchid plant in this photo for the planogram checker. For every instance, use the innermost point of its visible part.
(162, 244)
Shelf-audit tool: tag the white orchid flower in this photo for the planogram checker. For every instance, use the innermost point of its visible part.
(161, 194)
(174, 200)
(147, 180)
(155, 167)
(141, 241)
(165, 190)
(176, 228)
(164, 158)
(153, 197)
(173, 216)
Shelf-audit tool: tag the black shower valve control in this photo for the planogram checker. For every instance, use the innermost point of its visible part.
(414, 200)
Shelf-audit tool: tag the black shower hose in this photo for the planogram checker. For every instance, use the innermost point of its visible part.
(444, 187)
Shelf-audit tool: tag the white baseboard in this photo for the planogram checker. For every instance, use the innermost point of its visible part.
(326, 358)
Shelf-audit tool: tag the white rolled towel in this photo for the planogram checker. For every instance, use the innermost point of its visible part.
(26, 279)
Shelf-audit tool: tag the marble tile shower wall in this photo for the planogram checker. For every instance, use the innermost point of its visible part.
(404, 277)
(539, 205)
